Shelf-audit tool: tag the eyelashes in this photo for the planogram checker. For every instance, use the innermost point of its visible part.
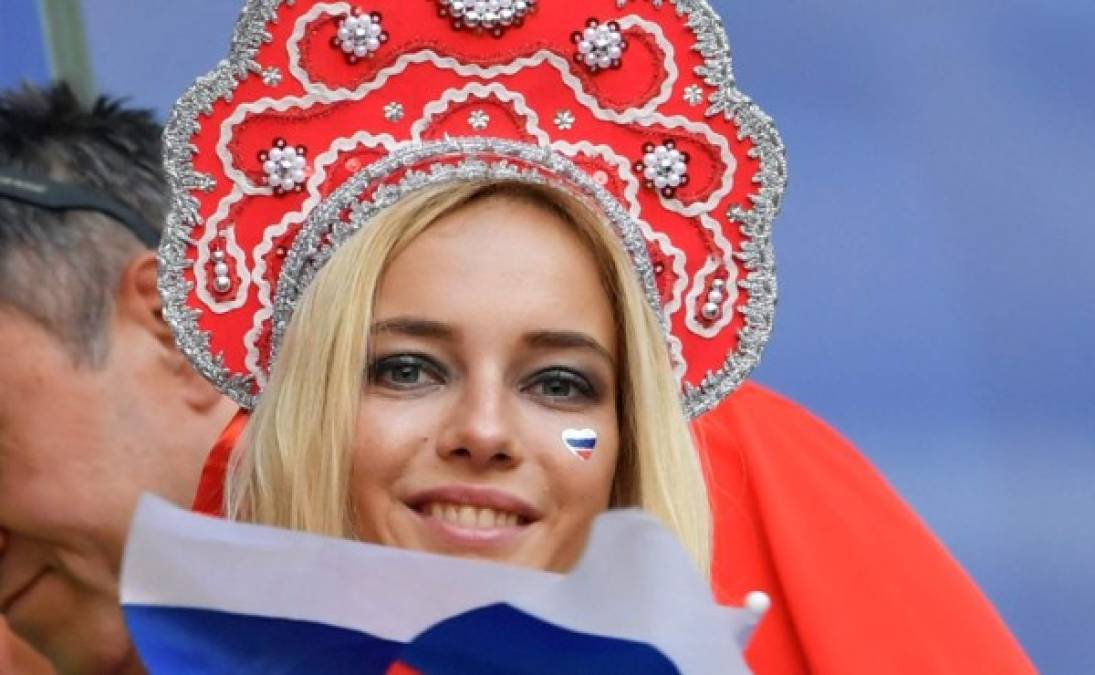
(563, 383)
(406, 372)
(410, 372)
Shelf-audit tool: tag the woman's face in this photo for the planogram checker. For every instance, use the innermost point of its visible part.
(492, 337)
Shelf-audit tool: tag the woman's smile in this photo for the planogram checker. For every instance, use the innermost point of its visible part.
(472, 518)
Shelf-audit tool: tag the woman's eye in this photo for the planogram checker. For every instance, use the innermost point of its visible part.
(563, 385)
(405, 372)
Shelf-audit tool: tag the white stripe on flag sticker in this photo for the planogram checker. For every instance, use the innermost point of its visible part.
(634, 582)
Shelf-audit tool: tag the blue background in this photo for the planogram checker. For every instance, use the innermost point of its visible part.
(935, 251)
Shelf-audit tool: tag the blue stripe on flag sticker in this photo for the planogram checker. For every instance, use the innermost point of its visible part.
(583, 443)
(181, 641)
(500, 639)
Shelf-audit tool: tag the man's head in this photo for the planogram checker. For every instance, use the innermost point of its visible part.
(96, 404)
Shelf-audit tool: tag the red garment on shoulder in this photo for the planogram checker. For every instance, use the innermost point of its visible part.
(858, 584)
(210, 496)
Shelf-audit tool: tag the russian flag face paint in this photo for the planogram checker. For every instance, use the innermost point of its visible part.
(580, 442)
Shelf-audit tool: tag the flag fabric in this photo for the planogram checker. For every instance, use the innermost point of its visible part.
(203, 595)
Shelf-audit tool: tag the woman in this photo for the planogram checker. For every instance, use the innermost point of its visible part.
(364, 132)
(308, 139)
(421, 398)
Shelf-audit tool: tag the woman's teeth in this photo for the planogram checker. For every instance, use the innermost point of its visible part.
(471, 516)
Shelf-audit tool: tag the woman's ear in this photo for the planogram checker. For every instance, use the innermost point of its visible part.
(139, 302)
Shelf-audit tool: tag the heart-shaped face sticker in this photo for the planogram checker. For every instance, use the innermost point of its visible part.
(580, 442)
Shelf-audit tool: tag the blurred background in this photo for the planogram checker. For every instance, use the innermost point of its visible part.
(936, 250)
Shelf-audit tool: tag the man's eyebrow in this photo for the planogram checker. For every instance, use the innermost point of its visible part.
(566, 339)
(413, 327)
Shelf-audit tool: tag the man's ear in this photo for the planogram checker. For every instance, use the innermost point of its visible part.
(139, 300)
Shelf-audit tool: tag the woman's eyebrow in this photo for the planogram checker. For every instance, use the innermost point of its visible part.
(566, 339)
(414, 327)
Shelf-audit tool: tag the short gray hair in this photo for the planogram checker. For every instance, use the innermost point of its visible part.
(62, 268)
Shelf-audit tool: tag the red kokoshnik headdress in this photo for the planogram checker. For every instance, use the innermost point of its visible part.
(326, 112)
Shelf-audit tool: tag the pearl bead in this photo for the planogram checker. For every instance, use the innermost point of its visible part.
(757, 602)
(718, 283)
(709, 310)
(220, 269)
(218, 256)
(222, 284)
(715, 297)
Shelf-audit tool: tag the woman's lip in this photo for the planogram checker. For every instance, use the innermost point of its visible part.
(474, 495)
(13, 599)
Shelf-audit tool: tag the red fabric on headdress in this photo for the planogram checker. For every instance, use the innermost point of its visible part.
(858, 584)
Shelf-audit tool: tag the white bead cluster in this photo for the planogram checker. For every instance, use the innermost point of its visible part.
(360, 35)
(600, 45)
(271, 77)
(491, 15)
(564, 120)
(478, 120)
(693, 94)
(393, 111)
(715, 297)
(664, 167)
(222, 283)
(284, 166)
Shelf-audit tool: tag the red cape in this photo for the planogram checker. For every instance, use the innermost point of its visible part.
(858, 584)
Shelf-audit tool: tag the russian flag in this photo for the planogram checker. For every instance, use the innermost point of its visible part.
(204, 596)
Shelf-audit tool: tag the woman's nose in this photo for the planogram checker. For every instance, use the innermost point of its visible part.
(479, 430)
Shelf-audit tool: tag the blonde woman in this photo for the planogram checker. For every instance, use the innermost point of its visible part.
(438, 247)
(433, 368)
(470, 276)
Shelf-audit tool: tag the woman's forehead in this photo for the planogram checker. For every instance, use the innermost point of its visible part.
(499, 263)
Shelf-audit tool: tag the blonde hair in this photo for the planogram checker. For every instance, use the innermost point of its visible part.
(294, 466)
